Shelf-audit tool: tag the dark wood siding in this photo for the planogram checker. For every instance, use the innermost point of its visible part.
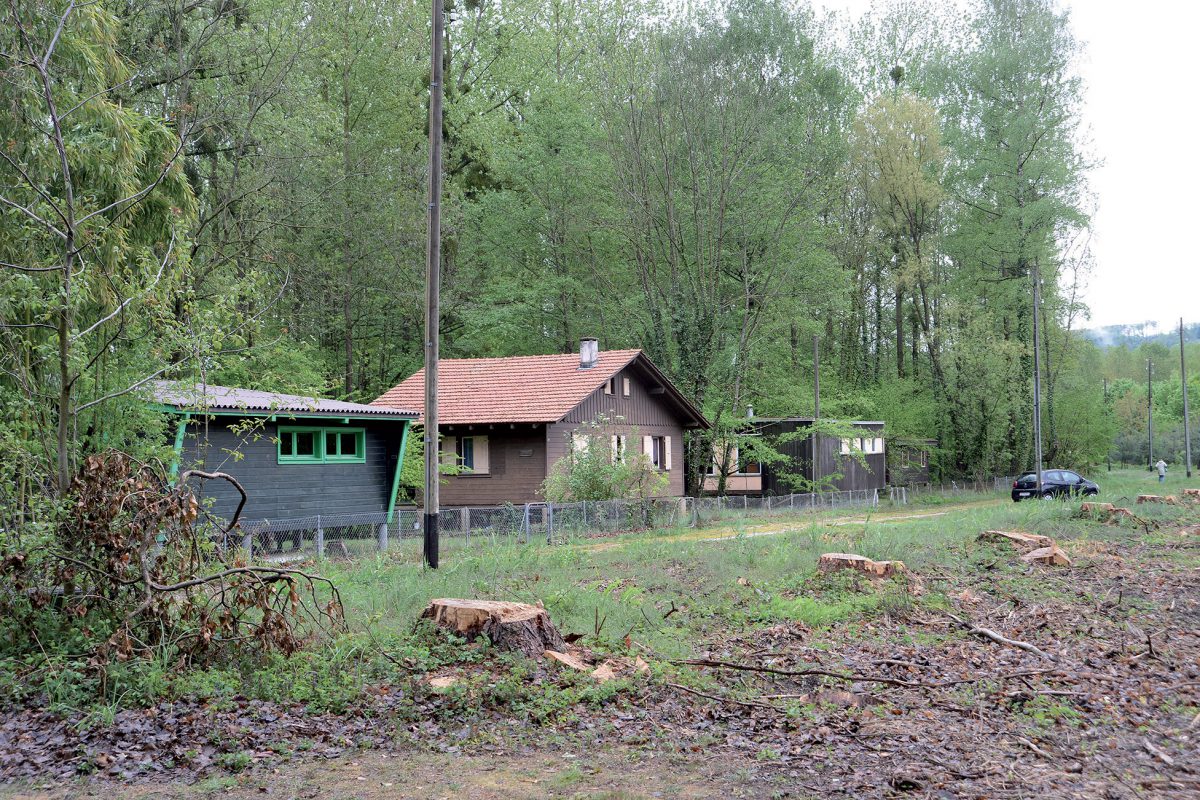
(285, 491)
(855, 476)
(516, 467)
(642, 413)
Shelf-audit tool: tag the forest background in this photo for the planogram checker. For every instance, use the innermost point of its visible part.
(234, 191)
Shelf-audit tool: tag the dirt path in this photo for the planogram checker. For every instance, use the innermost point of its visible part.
(609, 774)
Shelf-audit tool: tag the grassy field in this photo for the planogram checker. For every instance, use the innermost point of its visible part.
(919, 691)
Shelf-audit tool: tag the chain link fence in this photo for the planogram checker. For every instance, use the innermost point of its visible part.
(348, 536)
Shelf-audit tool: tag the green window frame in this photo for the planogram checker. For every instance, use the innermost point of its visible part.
(309, 445)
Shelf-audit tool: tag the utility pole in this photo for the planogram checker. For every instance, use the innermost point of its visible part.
(1106, 412)
(1149, 411)
(1037, 378)
(433, 286)
(1187, 423)
(816, 461)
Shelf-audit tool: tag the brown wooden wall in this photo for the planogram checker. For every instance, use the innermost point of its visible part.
(640, 414)
(516, 467)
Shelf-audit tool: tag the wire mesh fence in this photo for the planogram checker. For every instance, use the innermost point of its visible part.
(347, 536)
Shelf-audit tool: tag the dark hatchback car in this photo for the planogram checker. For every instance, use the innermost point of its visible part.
(1055, 483)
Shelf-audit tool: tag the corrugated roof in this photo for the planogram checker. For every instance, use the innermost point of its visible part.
(521, 389)
(209, 397)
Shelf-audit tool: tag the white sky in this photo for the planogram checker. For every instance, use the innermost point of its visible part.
(1143, 112)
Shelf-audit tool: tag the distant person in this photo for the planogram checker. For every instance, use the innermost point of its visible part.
(1161, 466)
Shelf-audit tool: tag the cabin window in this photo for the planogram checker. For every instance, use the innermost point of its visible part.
(322, 446)
(471, 454)
(658, 450)
(618, 448)
(610, 386)
(625, 386)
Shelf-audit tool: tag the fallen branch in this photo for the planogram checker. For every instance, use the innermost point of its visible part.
(988, 633)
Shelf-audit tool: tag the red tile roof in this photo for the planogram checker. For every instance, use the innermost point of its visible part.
(518, 388)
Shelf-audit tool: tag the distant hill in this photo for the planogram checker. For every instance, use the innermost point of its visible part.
(1133, 335)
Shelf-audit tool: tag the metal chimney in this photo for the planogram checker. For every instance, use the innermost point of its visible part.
(589, 352)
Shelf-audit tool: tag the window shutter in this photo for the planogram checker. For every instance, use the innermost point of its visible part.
(667, 453)
(481, 455)
(625, 386)
(449, 451)
(579, 443)
(648, 448)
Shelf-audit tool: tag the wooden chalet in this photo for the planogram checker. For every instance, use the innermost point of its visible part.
(295, 456)
(835, 456)
(505, 422)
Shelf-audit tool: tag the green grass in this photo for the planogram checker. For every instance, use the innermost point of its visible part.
(609, 589)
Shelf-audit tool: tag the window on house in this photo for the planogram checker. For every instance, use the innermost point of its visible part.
(469, 453)
(625, 386)
(321, 446)
(466, 452)
(749, 467)
(610, 386)
(658, 450)
(618, 448)
(845, 447)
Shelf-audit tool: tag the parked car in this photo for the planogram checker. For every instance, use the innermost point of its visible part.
(1055, 483)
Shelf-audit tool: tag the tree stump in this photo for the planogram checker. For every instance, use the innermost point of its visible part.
(518, 627)
(874, 569)
(1051, 556)
(1096, 508)
(1017, 538)
(1191, 494)
(1170, 500)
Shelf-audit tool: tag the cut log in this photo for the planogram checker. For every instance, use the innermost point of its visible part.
(1052, 556)
(1191, 494)
(1096, 508)
(605, 672)
(1169, 500)
(568, 660)
(1118, 513)
(874, 569)
(517, 627)
(1017, 538)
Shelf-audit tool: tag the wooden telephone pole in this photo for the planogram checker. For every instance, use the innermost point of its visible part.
(433, 286)
(1037, 379)
(1187, 424)
(1150, 410)
(816, 461)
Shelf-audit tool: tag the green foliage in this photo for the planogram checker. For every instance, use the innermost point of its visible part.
(600, 466)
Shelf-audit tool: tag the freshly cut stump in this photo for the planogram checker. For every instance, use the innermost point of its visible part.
(1017, 538)
(1051, 556)
(1191, 494)
(1169, 500)
(1096, 508)
(516, 627)
(875, 569)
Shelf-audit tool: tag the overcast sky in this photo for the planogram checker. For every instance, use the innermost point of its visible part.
(1141, 74)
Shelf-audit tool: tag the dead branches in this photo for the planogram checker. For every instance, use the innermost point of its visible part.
(988, 633)
(131, 566)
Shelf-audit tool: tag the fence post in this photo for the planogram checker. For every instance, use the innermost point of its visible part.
(875, 499)
(525, 525)
(549, 523)
(383, 536)
(320, 538)
(248, 544)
